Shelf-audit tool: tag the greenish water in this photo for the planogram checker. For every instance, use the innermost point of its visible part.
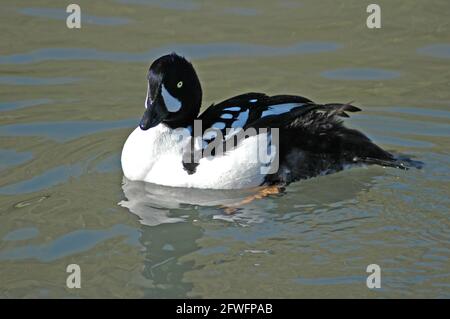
(69, 98)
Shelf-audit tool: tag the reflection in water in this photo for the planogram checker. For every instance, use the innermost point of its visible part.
(164, 245)
(176, 221)
(153, 203)
(168, 231)
(193, 247)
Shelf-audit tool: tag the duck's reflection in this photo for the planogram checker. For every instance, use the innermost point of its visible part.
(169, 230)
(174, 219)
(154, 204)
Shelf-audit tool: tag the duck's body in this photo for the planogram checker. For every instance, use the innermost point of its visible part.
(295, 138)
(156, 156)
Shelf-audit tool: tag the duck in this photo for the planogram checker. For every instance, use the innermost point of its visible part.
(249, 140)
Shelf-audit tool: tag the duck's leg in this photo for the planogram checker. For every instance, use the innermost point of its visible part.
(261, 193)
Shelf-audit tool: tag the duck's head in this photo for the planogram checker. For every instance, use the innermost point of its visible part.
(174, 94)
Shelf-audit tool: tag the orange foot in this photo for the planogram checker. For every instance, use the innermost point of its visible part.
(261, 193)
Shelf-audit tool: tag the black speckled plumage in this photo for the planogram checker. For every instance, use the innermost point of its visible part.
(312, 137)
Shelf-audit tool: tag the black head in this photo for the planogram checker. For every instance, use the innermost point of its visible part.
(174, 94)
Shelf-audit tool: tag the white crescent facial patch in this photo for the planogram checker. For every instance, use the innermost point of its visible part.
(172, 103)
(146, 98)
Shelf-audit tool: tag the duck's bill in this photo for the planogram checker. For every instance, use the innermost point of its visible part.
(152, 117)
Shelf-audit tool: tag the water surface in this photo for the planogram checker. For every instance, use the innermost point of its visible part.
(69, 99)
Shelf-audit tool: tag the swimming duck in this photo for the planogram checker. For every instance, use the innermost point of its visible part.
(245, 141)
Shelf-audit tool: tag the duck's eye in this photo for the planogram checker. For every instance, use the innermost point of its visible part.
(180, 84)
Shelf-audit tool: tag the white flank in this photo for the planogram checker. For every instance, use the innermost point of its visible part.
(155, 156)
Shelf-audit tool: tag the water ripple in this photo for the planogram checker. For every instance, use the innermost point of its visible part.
(71, 243)
(240, 11)
(403, 126)
(344, 280)
(415, 111)
(21, 234)
(193, 51)
(109, 164)
(185, 5)
(47, 179)
(28, 80)
(13, 158)
(61, 14)
(64, 131)
(366, 74)
(440, 50)
(14, 105)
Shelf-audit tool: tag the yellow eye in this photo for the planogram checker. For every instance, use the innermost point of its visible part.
(179, 84)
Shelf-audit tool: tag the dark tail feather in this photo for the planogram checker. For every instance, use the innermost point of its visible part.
(340, 109)
(382, 162)
(360, 149)
(401, 163)
(324, 133)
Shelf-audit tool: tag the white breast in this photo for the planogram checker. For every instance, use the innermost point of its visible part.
(155, 156)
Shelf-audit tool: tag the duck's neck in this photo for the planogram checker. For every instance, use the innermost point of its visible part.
(184, 121)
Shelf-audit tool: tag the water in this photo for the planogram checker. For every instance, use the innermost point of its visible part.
(69, 99)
